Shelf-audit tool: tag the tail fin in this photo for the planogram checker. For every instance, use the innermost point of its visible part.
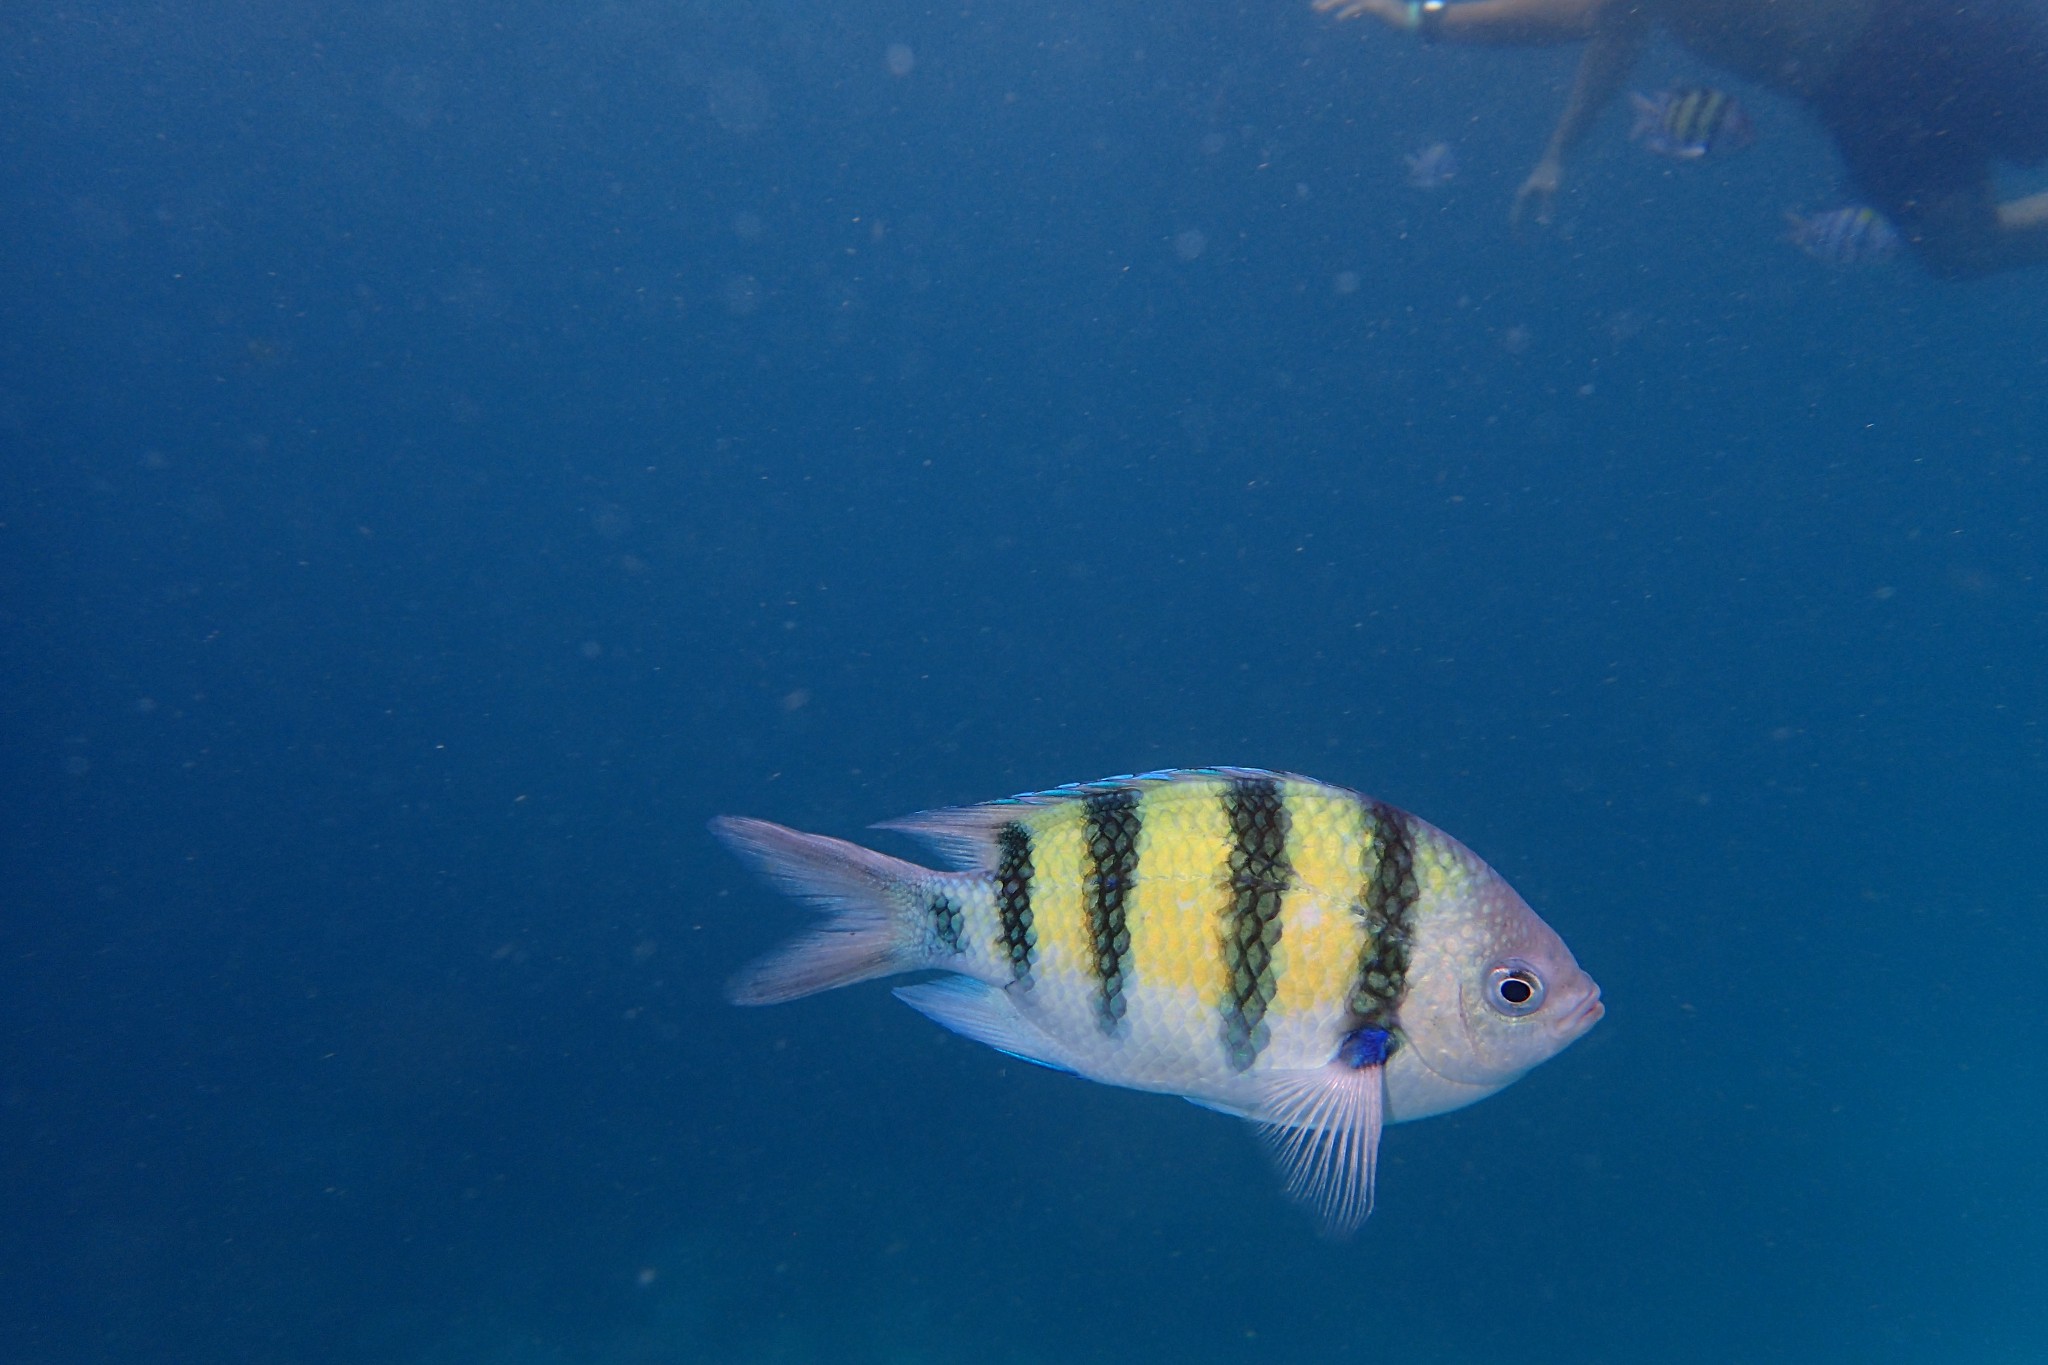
(870, 901)
(1649, 117)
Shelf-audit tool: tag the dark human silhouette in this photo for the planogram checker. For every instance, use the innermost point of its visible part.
(1922, 97)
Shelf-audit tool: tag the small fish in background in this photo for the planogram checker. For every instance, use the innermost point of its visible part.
(1688, 121)
(1432, 168)
(1289, 952)
(1846, 238)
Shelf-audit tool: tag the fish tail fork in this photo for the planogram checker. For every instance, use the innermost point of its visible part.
(1649, 116)
(874, 907)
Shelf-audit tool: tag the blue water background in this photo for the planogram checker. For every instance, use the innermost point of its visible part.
(452, 451)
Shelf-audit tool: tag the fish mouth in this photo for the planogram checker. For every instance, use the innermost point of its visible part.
(1584, 1015)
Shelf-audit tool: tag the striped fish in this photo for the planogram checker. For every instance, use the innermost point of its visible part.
(1688, 121)
(1845, 238)
(1290, 952)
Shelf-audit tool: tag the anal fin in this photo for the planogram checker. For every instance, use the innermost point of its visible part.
(977, 1010)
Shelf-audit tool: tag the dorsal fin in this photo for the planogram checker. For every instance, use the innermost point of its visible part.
(965, 836)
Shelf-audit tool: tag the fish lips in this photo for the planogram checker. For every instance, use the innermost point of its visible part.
(1583, 1016)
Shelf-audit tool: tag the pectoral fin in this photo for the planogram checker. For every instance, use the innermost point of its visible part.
(1324, 1127)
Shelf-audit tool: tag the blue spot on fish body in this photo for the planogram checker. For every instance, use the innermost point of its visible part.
(1365, 1047)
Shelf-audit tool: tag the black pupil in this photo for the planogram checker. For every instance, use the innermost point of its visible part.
(1516, 991)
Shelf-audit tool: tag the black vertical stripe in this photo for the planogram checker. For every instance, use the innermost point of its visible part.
(1113, 823)
(1387, 909)
(1697, 117)
(1018, 940)
(1259, 874)
(1685, 116)
(947, 923)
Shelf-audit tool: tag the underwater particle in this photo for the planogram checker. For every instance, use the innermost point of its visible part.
(1432, 168)
(1190, 243)
(739, 100)
(742, 294)
(900, 60)
(413, 96)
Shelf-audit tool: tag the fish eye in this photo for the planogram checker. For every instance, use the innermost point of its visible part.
(1514, 989)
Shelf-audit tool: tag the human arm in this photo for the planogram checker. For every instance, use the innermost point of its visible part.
(1493, 23)
(1618, 40)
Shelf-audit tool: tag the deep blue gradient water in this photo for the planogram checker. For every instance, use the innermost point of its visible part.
(453, 451)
